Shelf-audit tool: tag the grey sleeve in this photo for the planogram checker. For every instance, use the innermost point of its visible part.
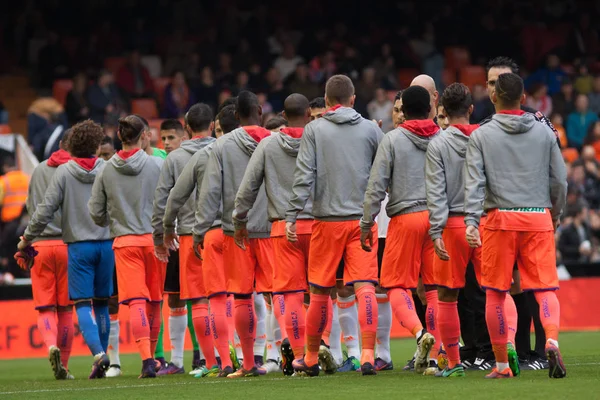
(475, 181)
(208, 201)
(248, 190)
(164, 186)
(379, 180)
(181, 192)
(44, 212)
(97, 204)
(32, 199)
(558, 181)
(435, 186)
(304, 175)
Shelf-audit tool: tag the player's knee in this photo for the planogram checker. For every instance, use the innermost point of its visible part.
(268, 298)
(175, 302)
(46, 309)
(320, 290)
(447, 295)
(347, 291)
(83, 303)
(242, 296)
(64, 308)
(102, 302)
(380, 290)
(113, 306)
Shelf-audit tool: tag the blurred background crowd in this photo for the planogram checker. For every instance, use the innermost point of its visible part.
(63, 61)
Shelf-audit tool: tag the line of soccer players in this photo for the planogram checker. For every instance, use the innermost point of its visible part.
(245, 229)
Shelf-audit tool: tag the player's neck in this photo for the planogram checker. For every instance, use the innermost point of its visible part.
(296, 124)
(459, 121)
(129, 147)
(201, 134)
(252, 121)
(507, 107)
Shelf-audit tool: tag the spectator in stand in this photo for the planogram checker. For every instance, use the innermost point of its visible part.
(575, 238)
(46, 120)
(539, 99)
(367, 85)
(207, 91)
(52, 61)
(277, 93)
(267, 108)
(178, 97)
(241, 82)
(482, 105)
(76, 104)
(104, 100)
(594, 96)
(380, 109)
(225, 75)
(564, 101)
(579, 122)
(287, 62)
(302, 84)
(552, 75)
(593, 135)
(133, 78)
(584, 81)
(584, 175)
(557, 120)
(193, 71)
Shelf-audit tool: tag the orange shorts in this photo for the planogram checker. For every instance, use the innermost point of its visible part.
(408, 252)
(140, 275)
(248, 269)
(191, 279)
(291, 259)
(213, 269)
(49, 275)
(534, 252)
(332, 241)
(451, 274)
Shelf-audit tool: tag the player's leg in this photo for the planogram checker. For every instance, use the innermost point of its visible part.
(273, 334)
(64, 310)
(115, 330)
(260, 342)
(431, 294)
(348, 319)
(383, 356)
(155, 282)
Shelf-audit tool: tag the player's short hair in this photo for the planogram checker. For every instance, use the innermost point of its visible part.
(398, 96)
(509, 88)
(144, 121)
(230, 101)
(456, 100)
(85, 139)
(275, 122)
(131, 128)
(339, 89)
(502, 62)
(199, 117)
(295, 105)
(227, 118)
(172, 125)
(65, 139)
(317, 102)
(247, 104)
(416, 102)
(107, 140)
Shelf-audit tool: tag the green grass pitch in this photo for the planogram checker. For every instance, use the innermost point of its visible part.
(33, 379)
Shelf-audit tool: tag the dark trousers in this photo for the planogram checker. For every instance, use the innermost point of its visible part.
(471, 310)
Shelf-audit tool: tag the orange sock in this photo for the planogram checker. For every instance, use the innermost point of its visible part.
(295, 322)
(327, 330)
(66, 331)
(140, 327)
(511, 318)
(230, 320)
(47, 325)
(155, 318)
(245, 325)
(201, 322)
(279, 313)
(495, 316)
(367, 320)
(449, 327)
(404, 310)
(549, 313)
(431, 320)
(317, 318)
(220, 330)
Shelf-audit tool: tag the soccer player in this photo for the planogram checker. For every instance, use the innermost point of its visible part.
(121, 197)
(49, 281)
(445, 201)
(336, 153)
(397, 114)
(428, 83)
(199, 125)
(90, 256)
(213, 273)
(442, 117)
(515, 172)
(317, 108)
(247, 269)
(273, 163)
(107, 148)
(399, 168)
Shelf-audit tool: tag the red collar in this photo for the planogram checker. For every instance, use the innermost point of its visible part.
(257, 133)
(125, 154)
(59, 157)
(296, 133)
(512, 112)
(466, 128)
(332, 109)
(421, 127)
(86, 163)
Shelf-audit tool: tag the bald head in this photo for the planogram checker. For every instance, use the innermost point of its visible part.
(428, 83)
(296, 109)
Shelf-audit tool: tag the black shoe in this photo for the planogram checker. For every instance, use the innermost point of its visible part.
(534, 363)
(148, 368)
(225, 372)
(410, 365)
(259, 361)
(160, 363)
(483, 364)
(368, 369)
(287, 355)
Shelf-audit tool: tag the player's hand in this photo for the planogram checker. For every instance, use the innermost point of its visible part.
(161, 252)
(366, 240)
(473, 237)
(171, 241)
(440, 249)
(23, 244)
(556, 224)
(290, 231)
(198, 247)
(241, 237)
(379, 123)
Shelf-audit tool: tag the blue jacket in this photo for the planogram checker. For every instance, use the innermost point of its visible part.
(577, 127)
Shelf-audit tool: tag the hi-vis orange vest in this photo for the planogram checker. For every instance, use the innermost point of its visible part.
(15, 185)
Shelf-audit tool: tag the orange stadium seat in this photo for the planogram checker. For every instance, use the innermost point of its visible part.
(159, 87)
(144, 107)
(4, 129)
(456, 57)
(448, 76)
(570, 154)
(60, 89)
(406, 75)
(472, 75)
(114, 64)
